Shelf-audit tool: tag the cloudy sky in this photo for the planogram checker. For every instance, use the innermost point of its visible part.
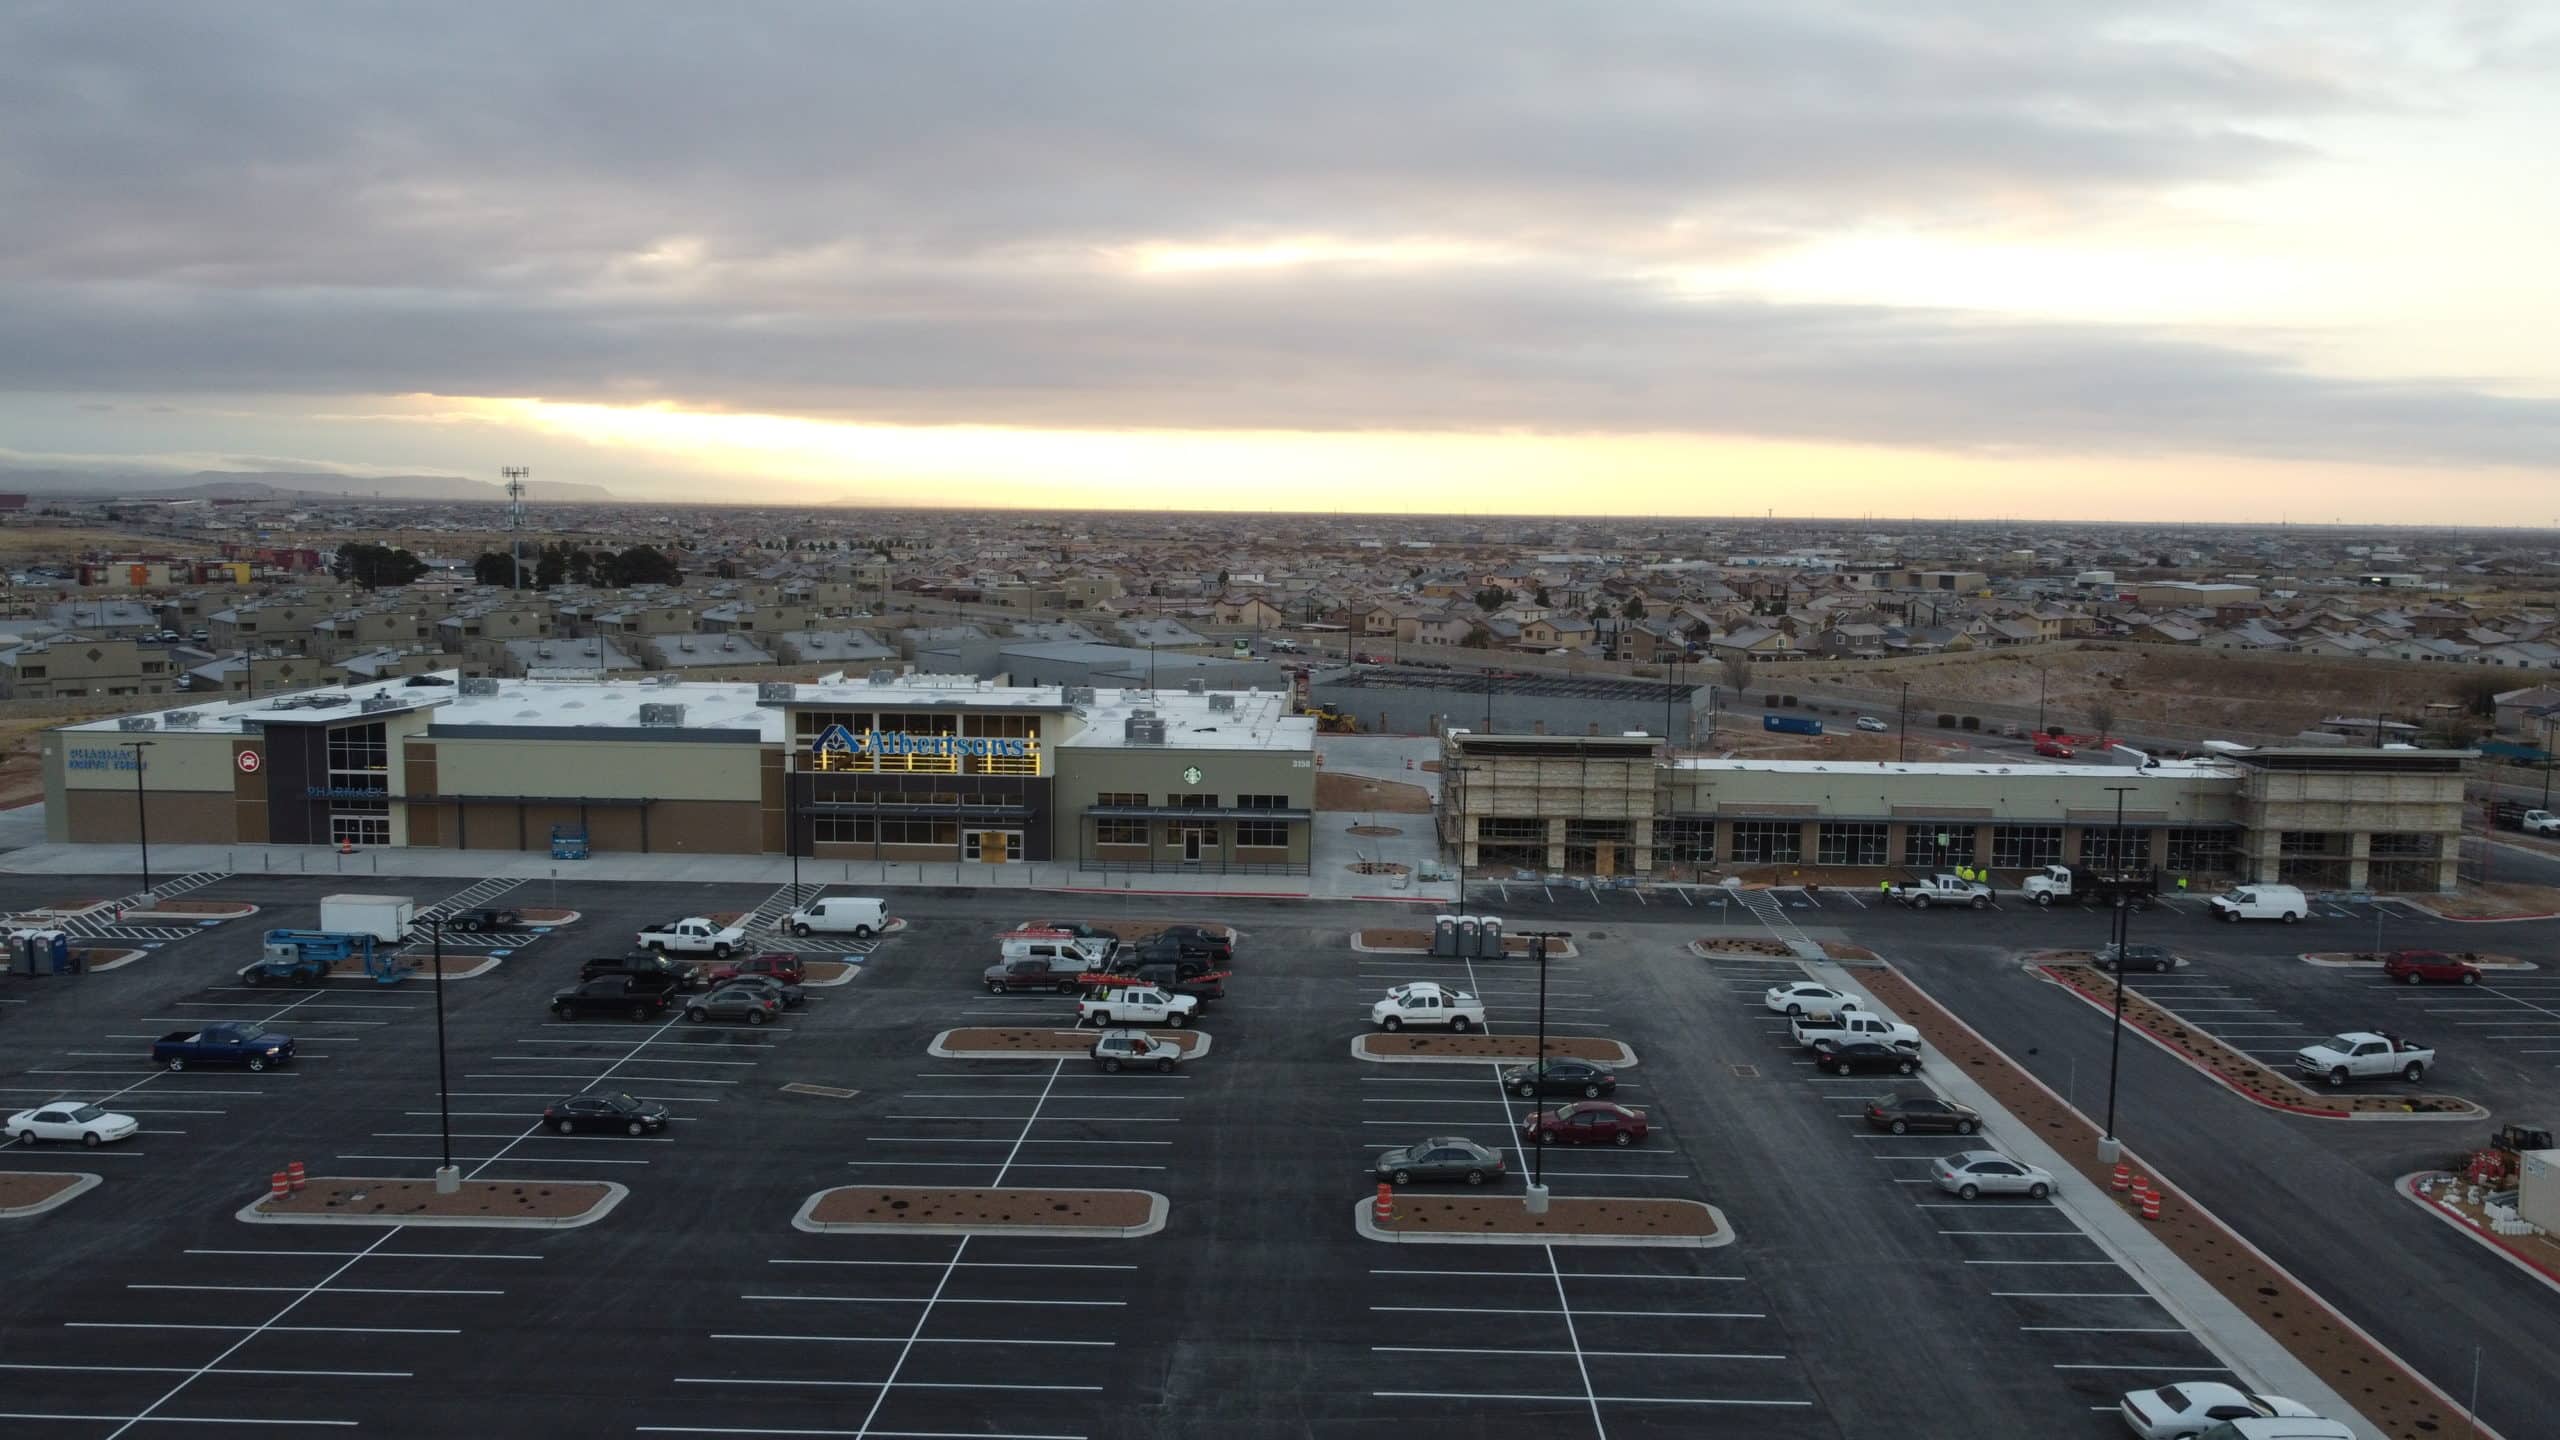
(2231, 260)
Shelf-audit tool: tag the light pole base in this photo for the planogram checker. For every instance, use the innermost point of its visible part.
(448, 1179)
(2109, 1149)
(1537, 1199)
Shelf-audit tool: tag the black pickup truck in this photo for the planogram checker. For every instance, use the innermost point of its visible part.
(676, 974)
(637, 997)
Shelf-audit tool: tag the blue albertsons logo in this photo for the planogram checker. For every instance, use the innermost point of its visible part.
(837, 740)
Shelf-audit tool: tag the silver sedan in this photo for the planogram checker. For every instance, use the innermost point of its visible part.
(1969, 1173)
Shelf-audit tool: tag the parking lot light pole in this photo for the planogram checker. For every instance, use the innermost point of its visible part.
(2120, 930)
(1537, 1070)
(141, 811)
(448, 1174)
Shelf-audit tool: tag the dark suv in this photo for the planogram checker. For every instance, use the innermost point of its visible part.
(1054, 972)
(1194, 978)
(1188, 942)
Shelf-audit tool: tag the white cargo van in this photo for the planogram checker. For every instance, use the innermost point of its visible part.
(841, 914)
(2262, 902)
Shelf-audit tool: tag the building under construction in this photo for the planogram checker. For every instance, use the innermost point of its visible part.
(1420, 700)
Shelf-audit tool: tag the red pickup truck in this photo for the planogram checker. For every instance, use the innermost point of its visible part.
(2412, 967)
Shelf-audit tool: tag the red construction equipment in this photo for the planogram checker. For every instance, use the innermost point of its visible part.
(279, 1186)
(1386, 1202)
(293, 1175)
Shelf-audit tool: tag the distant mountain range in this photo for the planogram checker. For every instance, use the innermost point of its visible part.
(283, 484)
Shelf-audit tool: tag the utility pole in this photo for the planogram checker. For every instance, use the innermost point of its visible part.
(448, 1175)
(2119, 928)
(1902, 746)
(1538, 1069)
(141, 811)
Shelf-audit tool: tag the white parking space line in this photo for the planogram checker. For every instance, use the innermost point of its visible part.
(1109, 1119)
(367, 1254)
(2146, 1369)
(972, 1140)
(883, 1384)
(2104, 1329)
(171, 1419)
(296, 1289)
(2073, 1294)
(1596, 1400)
(233, 1370)
(928, 1340)
(866, 1430)
(1611, 1314)
(1541, 1275)
(963, 1265)
(487, 1160)
(255, 1331)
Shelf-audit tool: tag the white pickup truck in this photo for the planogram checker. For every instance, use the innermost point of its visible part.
(693, 935)
(1134, 1005)
(1940, 890)
(2364, 1055)
(1810, 1030)
(2540, 822)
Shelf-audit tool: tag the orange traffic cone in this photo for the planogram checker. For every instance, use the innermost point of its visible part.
(346, 847)
(2150, 1204)
(293, 1175)
(278, 1187)
(1386, 1202)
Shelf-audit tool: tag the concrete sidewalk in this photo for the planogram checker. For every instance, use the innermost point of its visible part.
(1333, 879)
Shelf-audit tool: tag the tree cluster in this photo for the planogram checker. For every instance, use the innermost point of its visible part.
(543, 566)
(374, 566)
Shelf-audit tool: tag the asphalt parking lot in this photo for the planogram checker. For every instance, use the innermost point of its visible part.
(1857, 1300)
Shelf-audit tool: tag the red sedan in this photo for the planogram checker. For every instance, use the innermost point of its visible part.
(2409, 967)
(2050, 745)
(781, 966)
(1589, 1122)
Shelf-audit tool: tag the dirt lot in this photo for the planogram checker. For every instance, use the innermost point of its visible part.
(1837, 742)
(1335, 791)
(18, 542)
(21, 762)
(2188, 689)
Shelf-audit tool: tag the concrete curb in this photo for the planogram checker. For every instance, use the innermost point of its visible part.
(2476, 1112)
(86, 1183)
(569, 917)
(1157, 1207)
(1565, 951)
(852, 969)
(940, 1051)
(1360, 1051)
(614, 1195)
(425, 970)
(2424, 907)
(2407, 1185)
(1363, 1220)
(1699, 949)
(186, 917)
(119, 963)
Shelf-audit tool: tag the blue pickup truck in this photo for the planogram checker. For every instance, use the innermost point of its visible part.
(225, 1042)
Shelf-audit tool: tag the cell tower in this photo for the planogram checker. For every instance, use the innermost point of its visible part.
(515, 517)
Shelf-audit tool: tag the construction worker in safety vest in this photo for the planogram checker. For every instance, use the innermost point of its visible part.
(2182, 884)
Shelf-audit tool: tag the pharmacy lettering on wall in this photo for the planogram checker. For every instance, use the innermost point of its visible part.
(838, 743)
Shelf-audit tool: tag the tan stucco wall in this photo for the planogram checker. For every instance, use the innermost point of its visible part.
(598, 768)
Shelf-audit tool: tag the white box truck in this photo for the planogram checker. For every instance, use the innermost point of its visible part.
(384, 917)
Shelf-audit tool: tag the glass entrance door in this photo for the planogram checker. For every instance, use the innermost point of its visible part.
(992, 847)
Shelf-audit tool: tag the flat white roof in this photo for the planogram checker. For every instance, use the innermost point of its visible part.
(2165, 770)
(1259, 719)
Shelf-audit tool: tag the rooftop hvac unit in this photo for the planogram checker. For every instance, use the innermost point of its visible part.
(666, 716)
(728, 644)
(883, 677)
(775, 690)
(479, 685)
(1144, 730)
(591, 647)
(544, 651)
(1077, 695)
(379, 702)
(136, 722)
(180, 719)
(670, 678)
(1222, 702)
(685, 644)
(1196, 685)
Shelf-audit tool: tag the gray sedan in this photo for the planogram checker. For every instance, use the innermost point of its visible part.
(1442, 1157)
(734, 1002)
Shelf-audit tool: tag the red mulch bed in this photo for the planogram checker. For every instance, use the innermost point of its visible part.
(906, 1205)
(1478, 1045)
(1013, 1040)
(1566, 1215)
(21, 1188)
(477, 1199)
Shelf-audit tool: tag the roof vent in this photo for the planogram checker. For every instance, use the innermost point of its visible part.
(664, 716)
(473, 685)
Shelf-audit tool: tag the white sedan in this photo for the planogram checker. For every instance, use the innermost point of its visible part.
(70, 1120)
(1869, 722)
(2196, 1406)
(1968, 1173)
(1804, 995)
